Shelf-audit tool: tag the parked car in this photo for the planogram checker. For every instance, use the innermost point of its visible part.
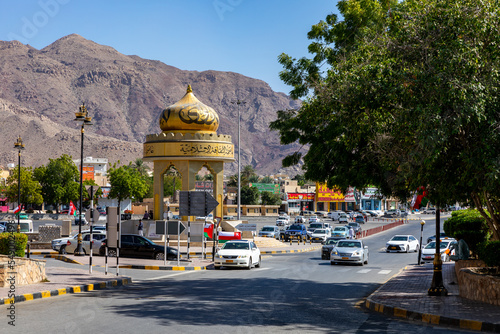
(334, 215)
(340, 232)
(322, 214)
(60, 244)
(327, 247)
(138, 246)
(238, 253)
(402, 243)
(26, 225)
(356, 227)
(392, 212)
(82, 217)
(445, 247)
(270, 232)
(23, 216)
(370, 213)
(314, 226)
(431, 211)
(320, 235)
(350, 251)
(72, 244)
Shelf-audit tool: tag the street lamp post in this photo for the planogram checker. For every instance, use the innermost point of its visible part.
(239, 102)
(422, 223)
(19, 146)
(437, 286)
(81, 116)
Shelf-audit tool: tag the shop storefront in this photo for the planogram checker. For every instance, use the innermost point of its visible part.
(299, 202)
(328, 199)
(370, 200)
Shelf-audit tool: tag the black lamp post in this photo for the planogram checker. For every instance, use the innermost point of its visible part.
(81, 116)
(19, 146)
(437, 285)
(422, 223)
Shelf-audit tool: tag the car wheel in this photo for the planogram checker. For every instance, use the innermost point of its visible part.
(416, 248)
(216, 267)
(112, 252)
(62, 250)
(258, 263)
(159, 256)
(387, 251)
(407, 249)
(366, 261)
(249, 264)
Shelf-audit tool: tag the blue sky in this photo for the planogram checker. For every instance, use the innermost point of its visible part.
(243, 36)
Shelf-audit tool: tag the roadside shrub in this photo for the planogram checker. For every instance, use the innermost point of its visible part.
(30, 210)
(468, 225)
(48, 211)
(17, 240)
(489, 252)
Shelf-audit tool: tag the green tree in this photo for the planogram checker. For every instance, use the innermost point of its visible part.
(86, 197)
(268, 198)
(126, 182)
(31, 191)
(301, 180)
(249, 195)
(409, 98)
(267, 179)
(60, 181)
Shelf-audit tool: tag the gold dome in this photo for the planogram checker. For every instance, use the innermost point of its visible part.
(189, 115)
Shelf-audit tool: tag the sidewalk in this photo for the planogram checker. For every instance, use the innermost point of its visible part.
(405, 296)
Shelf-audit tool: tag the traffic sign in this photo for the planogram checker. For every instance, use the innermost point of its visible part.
(196, 203)
(89, 216)
(247, 227)
(172, 227)
(91, 190)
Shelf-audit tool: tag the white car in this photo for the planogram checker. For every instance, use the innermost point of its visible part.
(282, 221)
(334, 215)
(392, 212)
(430, 249)
(402, 243)
(314, 219)
(321, 235)
(349, 251)
(431, 211)
(238, 253)
(343, 218)
(71, 244)
(270, 232)
(60, 244)
(300, 219)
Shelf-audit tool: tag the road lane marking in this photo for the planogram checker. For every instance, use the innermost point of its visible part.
(344, 270)
(162, 277)
(364, 271)
(384, 272)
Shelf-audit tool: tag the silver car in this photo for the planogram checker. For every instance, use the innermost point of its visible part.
(349, 251)
(270, 232)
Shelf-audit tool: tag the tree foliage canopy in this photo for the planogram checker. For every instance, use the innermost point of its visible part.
(126, 182)
(60, 181)
(402, 94)
(31, 191)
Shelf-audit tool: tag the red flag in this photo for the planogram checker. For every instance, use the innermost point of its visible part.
(18, 209)
(72, 208)
(209, 230)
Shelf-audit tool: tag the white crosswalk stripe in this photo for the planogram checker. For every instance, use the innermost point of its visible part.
(364, 271)
(384, 272)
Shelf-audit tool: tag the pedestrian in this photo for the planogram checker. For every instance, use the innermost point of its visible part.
(141, 228)
(150, 214)
(146, 215)
(351, 233)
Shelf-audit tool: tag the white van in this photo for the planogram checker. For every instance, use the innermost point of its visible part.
(25, 224)
(334, 215)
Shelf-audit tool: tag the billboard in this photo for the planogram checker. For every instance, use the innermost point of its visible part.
(271, 187)
(328, 195)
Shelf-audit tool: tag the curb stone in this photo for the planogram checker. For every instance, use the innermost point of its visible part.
(68, 290)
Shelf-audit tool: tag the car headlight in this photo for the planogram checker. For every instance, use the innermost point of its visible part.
(218, 256)
(242, 256)
(356, 253)
(335, 253)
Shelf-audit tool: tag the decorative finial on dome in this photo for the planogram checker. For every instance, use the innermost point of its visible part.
(189, 90)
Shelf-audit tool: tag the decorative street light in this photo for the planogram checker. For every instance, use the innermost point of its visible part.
(18, 145)
(422, 223)
(239, 102)
(81, 116)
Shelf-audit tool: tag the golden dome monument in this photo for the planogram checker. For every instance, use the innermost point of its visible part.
(188, 142)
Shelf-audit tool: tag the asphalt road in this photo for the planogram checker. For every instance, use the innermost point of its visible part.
(290, 293)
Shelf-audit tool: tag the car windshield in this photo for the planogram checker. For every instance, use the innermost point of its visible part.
(331, 242)
(339, 229)
(316, 225)
(235, 245)
(399, 238)
(349, 244)
(268, 229)
(320, 231)
(295, 227)
(353, 224)
(432, 245)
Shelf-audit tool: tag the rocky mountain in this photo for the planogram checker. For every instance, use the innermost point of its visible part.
(40, 90)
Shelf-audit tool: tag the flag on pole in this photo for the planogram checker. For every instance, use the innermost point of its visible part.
(421, 199)
(226, 236)
(72, 208)
(209, 230)
(18, 209)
